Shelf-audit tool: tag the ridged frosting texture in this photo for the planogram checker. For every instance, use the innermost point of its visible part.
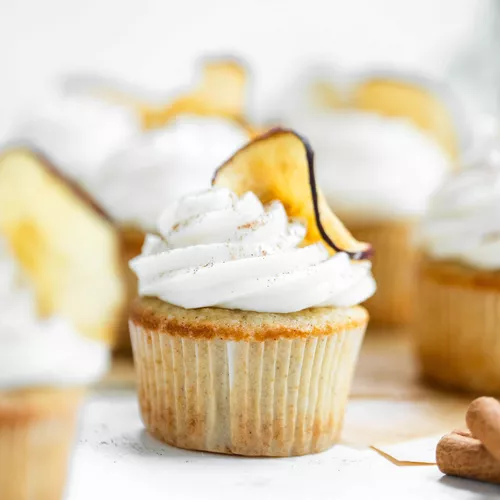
(162, 165)
(372, 167)
(40, 352)
(217, 250)
(463, 220)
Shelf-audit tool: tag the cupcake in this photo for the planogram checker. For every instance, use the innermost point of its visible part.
(456, 329)
(67, 247)
(76, 132)
(129, 172)
(383, 144)
(45, 366)
(247, 329)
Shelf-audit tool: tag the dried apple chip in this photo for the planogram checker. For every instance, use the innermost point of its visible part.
(279, 165)
(221, 92)
(69, 249)
(427, 104)
(413, 100)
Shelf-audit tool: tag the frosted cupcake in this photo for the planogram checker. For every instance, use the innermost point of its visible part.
(44, 369)
(383, 144)
(66, 246)
(261, 314)
(130, 172)
(458, 302)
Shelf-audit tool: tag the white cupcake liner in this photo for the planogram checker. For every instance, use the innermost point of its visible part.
(270, 398)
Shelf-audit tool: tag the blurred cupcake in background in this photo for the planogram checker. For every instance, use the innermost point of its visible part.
(181, 145)
(67, 247)
(183, 142)
(131, 156)
(456, 329)
(383, 144)
(161, 165)
(45, 366)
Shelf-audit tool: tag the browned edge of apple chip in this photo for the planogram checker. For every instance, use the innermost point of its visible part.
(361, 255)
(51, 167)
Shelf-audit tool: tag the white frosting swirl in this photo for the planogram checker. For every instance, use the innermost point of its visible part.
(218, 250)
(371, 167)
(78, 132)
(463, 221)
(40, 352)
(162, 165)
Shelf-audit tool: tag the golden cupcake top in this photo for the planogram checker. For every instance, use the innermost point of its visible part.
(229, 324)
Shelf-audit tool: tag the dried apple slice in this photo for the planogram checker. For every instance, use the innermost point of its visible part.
(221, 92)
(68, 248)
(279, 165)
(413, 100)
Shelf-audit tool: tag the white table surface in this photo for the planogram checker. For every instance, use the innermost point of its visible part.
(116, 459)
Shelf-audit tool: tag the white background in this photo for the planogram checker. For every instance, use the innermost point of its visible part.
(154, 43)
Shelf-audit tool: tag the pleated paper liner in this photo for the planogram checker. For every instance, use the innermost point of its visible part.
(393, 265)
(457, 327)
(280, 397)
(37, 432)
